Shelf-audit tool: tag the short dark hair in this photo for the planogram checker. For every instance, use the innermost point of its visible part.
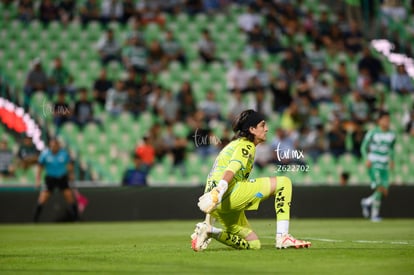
(382, 113)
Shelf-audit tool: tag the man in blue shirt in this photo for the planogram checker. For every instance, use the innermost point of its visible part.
(56, 163)
(136, 176)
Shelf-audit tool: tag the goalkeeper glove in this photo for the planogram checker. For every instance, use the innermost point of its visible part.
(209, 201)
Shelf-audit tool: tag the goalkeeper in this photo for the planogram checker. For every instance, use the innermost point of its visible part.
(229, 192)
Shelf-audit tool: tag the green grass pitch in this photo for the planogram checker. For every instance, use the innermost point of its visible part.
(339, 246)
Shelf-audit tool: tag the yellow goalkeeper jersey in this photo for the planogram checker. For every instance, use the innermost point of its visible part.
(241, 150)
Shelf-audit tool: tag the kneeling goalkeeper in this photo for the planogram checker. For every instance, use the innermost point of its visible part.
(229, 192)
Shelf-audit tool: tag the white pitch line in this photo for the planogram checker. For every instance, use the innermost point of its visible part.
(366, 241)
(354, 241)
(324, 240)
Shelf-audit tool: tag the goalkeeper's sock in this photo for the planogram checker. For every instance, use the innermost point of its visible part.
(283, 197)
(282, 227)
(215, 230)
(233, 240)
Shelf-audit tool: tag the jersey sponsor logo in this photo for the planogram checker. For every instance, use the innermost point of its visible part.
(383, 137)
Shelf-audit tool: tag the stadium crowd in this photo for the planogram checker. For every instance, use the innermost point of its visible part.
(308, 76)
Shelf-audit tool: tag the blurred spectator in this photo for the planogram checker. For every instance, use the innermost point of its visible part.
(153, 98)
(210, 107)
(344, 178)
(316, 57)
(409, 126)
(341, 80)
(304, 88)
(187, 107)
(260, 73)
(116, 98)
(36, 80)
(304, 110)
(338, 108)
(394, 10)
(263, 155)
(309, 23)
(129, 10)
(172, 48)
(238, 77)
(61, 79)
(370, 63)
(135, 55)
(207, 47)
(61, 110)
(157, 59)
(186, 88)
(260, 104)
(137, 175)
(146, 86)
(90, 11)
(255, 41)
(271, 38)
(353, 39)
(176, 146)
(321, 92)
(314, 119)
(357, 137)
(281, 94)
(306, 142)
(136, 29)
(25, 11)
(202, 136)
(67, 11)
(7, 168)
(301, 55)
(212, 6)
(323, 25)
(192, 7)
(155, 134)
(401, 82)
(336, 137)
(318, 142)
(112, 10)
(48, 11)
(134, 104)
(367, 90)
(108, 48)
(152, 15)
(83, 110)
(145, 151)
(291, 65)
(101, 87)
(27, 153)
(358, 109)
(290, 119)
(236, 105)
(283, 145)
(353, 11)
(335, 39)
(132, 80)
(247, 20)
